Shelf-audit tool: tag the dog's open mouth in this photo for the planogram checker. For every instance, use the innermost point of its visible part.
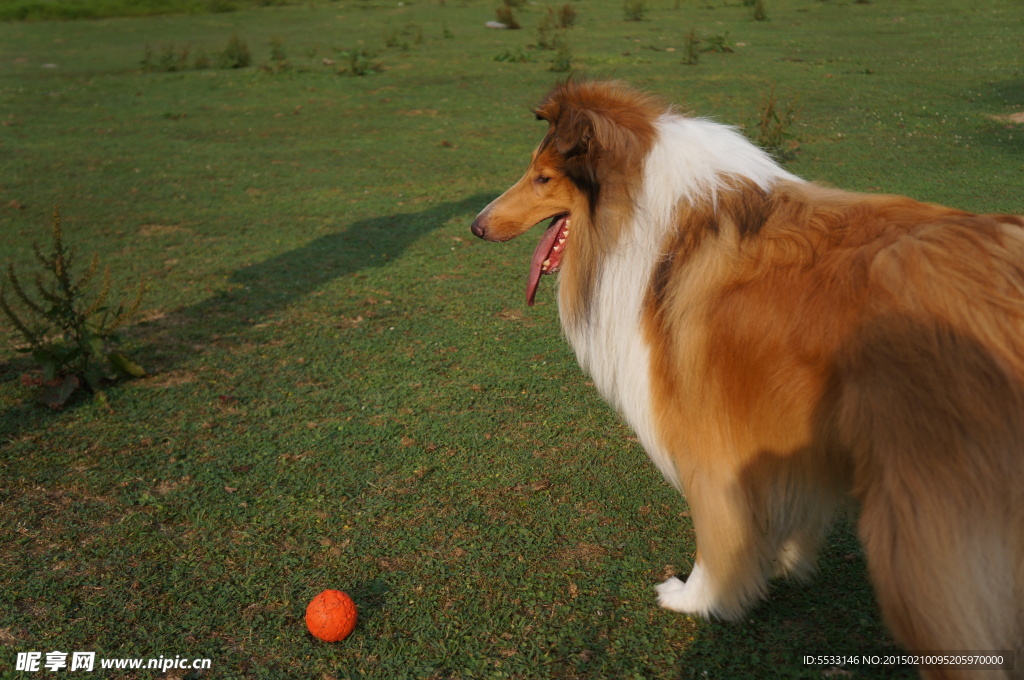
(547, 258)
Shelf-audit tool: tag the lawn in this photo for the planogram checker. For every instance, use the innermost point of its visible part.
(346, 389)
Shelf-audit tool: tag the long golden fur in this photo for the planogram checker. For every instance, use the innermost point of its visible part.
(799, 346)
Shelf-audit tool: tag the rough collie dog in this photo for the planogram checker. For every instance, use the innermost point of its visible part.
(780, 347)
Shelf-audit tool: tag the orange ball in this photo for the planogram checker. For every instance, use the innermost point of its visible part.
(331, 616)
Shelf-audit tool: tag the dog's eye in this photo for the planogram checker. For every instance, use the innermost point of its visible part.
(543, 180)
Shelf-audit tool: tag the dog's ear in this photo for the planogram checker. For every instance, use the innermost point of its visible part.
(602, 131)
(574, 138)
(574, 133)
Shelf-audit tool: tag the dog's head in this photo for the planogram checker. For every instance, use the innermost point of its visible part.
(598, 134)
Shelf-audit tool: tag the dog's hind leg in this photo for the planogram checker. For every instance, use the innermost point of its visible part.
(935, 425)
(944, 580)
(797, 497)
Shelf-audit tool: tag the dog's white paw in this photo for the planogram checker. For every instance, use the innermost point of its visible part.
(692, 597)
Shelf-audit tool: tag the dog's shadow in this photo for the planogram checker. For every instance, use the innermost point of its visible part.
(255, 293)
(833, 615)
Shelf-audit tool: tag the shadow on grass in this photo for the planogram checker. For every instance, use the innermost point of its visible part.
(998, 132)
(834, 614)
(1010, 91)
(256, 292)
(370, 597)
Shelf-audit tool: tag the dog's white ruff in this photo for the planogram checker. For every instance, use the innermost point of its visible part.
(690, 161)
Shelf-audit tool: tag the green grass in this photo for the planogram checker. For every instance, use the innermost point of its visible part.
(347, 389)
(50, 10)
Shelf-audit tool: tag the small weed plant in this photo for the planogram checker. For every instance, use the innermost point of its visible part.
(552, 27)
(567, 16)
(360, 62)
(505, 16)
(759, 11)
(562, 63)
(278, 58)
(236, 54)
(69, 337)
(170, 59)
(635, 10)
(548, 33)
(691, 48)
(277, 52)
(717, 43)
(392, 39)
(403, 39)
(775, 120)
(202, 61)
(516, 56)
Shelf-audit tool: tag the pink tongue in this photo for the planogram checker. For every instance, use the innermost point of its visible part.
(547, 242)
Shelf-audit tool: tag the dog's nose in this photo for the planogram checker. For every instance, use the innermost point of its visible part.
(477, 228)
